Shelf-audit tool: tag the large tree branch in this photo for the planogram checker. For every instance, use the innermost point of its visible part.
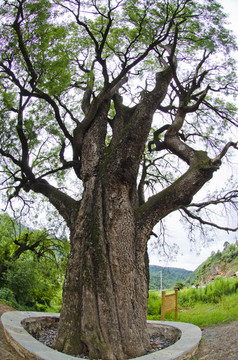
(199, 99)
(44, 96)
(66, 206)
(132, 119)
(67, 110)
(198, 78)
(201, 166)
(91, 111)
(23, 244)
(22, 47)
(109, 90)
(7, 155)
(26, 170)
(14, 79)
(173, 142)
(178, 194)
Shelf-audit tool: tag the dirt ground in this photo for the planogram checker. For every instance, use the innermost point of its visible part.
(6, 351)
(218, 342)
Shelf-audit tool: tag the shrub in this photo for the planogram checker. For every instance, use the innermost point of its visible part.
(21, 279)
(34, 284)
(8, 297)
(188, 297)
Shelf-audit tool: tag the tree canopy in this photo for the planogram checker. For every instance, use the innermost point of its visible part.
(61, 59)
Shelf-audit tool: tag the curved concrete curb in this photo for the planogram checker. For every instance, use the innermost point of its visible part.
(29, 348)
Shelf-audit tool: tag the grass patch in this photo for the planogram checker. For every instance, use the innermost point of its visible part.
(209, 314)
(203, 314)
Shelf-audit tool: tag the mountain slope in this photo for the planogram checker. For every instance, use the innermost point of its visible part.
(223, 263)
(170, 276)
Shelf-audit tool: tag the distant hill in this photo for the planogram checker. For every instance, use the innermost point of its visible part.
(223, 263)
(170, 276)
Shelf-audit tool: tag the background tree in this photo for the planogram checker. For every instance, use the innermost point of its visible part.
(179, 286)
(32, 264)
(82, 83)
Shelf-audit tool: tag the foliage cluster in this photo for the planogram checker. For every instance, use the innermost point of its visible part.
(32, 266)
(7, 296)
(230, 253)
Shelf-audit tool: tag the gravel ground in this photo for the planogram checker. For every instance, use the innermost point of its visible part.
(47, 336)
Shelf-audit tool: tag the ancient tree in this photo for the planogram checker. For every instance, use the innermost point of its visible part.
(116, 95)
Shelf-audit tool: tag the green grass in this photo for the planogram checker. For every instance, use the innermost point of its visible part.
(154, 303)
(210, 314)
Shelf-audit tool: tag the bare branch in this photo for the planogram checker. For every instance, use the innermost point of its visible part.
(229, 197)
(204, 222)
(67, 110)
(224, 151)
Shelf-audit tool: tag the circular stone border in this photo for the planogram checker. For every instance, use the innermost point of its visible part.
(29, 348)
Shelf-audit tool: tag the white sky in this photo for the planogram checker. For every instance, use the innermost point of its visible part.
(190, 256)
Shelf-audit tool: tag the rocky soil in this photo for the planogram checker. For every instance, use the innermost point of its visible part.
(218, 343)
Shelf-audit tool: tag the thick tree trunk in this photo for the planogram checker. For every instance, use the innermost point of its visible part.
(105, 291)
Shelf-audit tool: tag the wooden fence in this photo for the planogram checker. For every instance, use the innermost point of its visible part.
(169, 303)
